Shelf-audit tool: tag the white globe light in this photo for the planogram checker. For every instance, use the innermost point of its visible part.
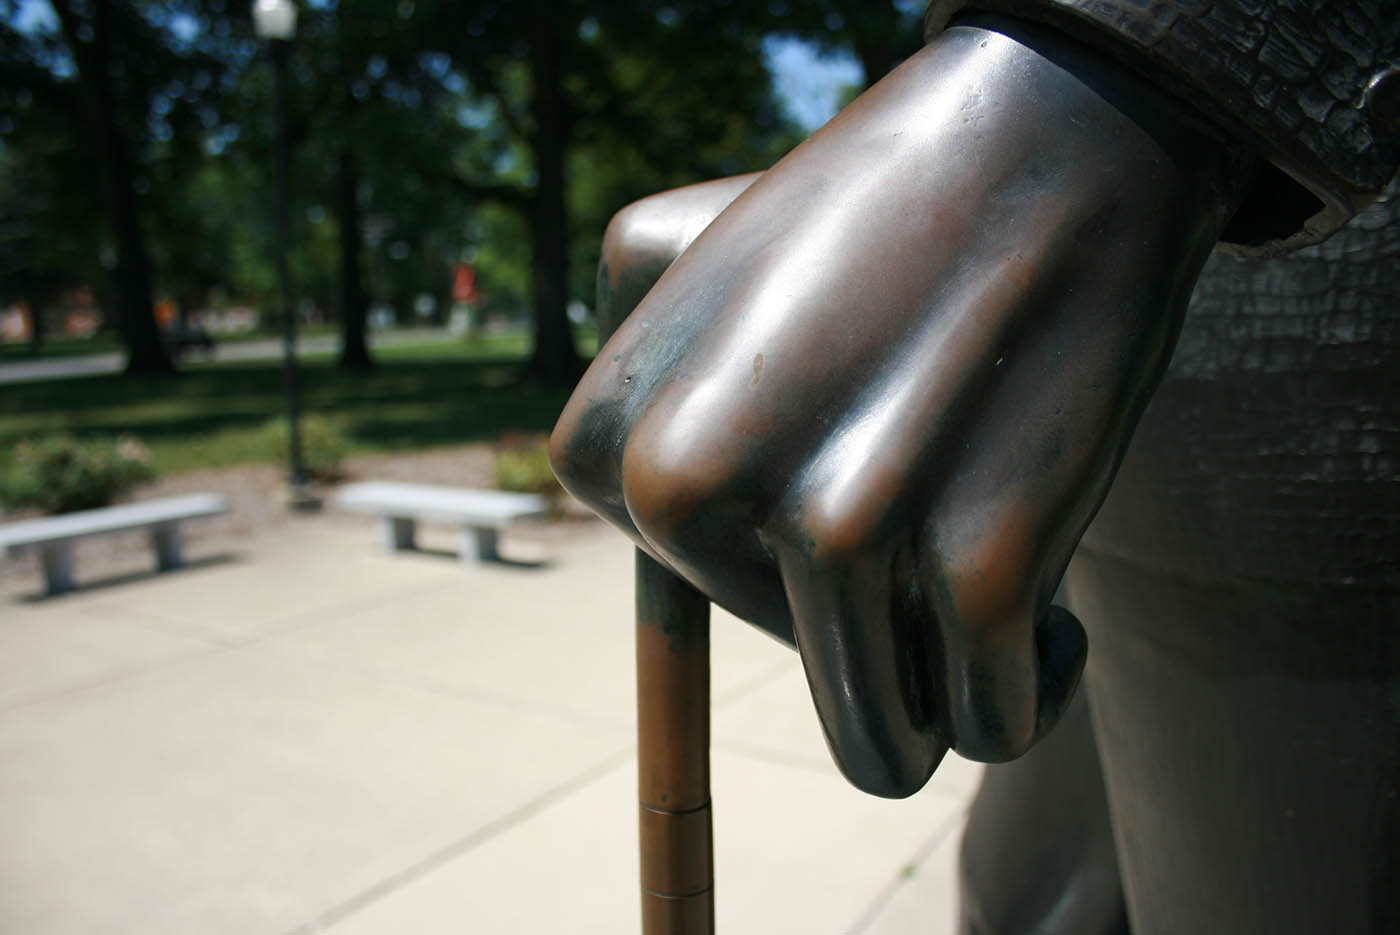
(275, 19)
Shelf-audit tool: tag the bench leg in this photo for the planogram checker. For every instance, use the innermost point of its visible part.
(56, 560)
(165, 541)
(398, 533)
(478, 545)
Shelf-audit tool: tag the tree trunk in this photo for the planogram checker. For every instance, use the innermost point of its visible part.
(354, 352)
(555, 360)
(36, 322)
(145, 351)
(132, 276)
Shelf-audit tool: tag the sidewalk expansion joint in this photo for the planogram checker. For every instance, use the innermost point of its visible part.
(920, 857)
(464, 845)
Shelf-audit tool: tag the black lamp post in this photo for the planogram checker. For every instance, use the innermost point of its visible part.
(276, 22)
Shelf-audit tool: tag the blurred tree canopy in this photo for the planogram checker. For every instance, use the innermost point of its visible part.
(135, 147)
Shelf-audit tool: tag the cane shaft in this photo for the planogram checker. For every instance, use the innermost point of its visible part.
(673, 753)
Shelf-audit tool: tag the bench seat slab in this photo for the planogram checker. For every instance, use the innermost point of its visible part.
(479, 514)
(53, 536)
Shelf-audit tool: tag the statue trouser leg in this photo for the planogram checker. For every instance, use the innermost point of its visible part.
(1252, 782)
(1250, 759)
(1038, 855)
(1241, 592)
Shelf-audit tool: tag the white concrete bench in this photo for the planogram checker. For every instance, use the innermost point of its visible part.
(480, 514)
(53, 536)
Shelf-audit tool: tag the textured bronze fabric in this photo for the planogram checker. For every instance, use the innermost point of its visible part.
(1288, 78)
(1274, 435)
(1241, 591)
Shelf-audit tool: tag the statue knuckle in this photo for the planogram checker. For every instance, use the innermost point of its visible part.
(666, 485)
(839, 531)
(562, 442)
(637, 233)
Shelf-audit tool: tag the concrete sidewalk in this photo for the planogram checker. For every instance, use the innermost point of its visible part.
(301, 734)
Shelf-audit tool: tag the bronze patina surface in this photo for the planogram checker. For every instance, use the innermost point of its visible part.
(859, 414)
(871, 401)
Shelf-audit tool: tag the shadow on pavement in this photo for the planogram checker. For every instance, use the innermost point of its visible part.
(501, 562)
(115, 581)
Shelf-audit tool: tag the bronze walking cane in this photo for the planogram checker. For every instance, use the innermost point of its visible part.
(673, 619)
(673, 753)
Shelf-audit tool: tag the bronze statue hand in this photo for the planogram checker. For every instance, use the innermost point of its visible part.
(874, 405)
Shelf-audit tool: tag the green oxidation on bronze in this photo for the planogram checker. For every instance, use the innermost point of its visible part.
(633, 282)
(671, 605)
(616, 300)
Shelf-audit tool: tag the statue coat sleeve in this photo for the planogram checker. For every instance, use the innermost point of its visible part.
(1311, 86)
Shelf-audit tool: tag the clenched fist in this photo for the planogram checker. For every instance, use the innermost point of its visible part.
(874, 404)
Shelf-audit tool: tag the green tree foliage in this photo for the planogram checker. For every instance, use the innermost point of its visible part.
(423, 132)
(372, 113)
(117, 81)
(590, 104)
(879, 35)
(60, 473)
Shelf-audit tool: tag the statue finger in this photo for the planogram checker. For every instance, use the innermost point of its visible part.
(1009, 661)
(865, 664)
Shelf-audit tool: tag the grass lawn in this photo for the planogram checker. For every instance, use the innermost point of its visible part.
(216, 414)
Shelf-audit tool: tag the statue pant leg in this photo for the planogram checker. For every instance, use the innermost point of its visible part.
(1241, 591)
(1038, 855)
(1250, 791)
(1246, 800)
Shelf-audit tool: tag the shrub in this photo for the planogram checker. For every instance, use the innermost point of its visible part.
(323, 445)
(522, 466)
(60, 474)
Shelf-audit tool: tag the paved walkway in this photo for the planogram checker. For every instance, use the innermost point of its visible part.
(300, 734)
(88, 365)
